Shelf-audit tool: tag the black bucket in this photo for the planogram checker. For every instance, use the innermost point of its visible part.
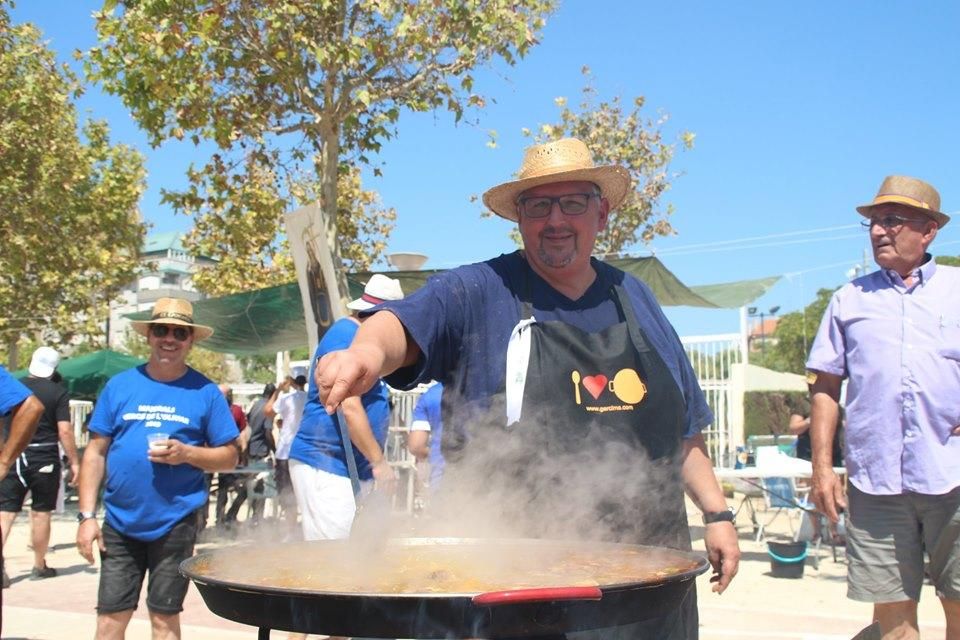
(787, 559)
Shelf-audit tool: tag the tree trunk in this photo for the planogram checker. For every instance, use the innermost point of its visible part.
(330, 154)
(13, 354)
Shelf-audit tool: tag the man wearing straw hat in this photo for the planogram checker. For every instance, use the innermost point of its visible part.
(154, 431)
(894, 334)
(568, 396)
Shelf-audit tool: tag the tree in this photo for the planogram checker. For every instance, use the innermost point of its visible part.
(794, 335)
(294, 95)
(632, 141)
(70, 223)
(952, 261)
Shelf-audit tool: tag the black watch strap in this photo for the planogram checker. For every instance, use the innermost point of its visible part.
(709, 517)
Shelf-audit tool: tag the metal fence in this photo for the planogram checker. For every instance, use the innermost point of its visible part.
(713, 358)
(395, 450)
(79, 410)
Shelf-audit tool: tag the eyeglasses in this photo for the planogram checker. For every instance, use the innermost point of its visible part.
(571, 204)
(888, 222)
(161, 331)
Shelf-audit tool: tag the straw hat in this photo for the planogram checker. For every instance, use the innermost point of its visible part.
(566, 160)
(909, 192)
(173, 311)
(378, 289)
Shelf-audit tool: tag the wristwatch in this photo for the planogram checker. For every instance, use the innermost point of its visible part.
(86, 515)
(710, 517)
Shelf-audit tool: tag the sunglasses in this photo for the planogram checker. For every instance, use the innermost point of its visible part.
(889, 222)
(162, 330)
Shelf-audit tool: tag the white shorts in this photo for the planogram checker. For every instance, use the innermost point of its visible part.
(325, 500)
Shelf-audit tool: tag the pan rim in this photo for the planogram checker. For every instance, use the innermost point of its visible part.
(186, 569)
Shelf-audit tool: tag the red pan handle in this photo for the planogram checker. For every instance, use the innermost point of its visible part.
(543, 594)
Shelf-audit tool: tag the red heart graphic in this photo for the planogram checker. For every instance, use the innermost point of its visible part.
(595, 384)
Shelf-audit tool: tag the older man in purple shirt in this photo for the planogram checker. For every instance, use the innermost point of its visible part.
(895, 335)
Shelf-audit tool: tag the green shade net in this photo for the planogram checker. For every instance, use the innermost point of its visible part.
(668, 289)
(731, 295)
(270, 320)
(84, 376)
(251, 323)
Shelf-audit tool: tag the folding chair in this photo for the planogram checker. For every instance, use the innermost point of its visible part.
(781, 494)
(813, 527)
(750, 490)
(820, 533)
(263, 486)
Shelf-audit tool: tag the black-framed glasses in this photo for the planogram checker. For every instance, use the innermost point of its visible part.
(571, 204)
(889, 221)
(162, 330)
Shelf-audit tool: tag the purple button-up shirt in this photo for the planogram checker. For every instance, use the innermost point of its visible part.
(899, 348)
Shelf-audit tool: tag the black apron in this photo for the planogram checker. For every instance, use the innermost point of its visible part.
(602, 413)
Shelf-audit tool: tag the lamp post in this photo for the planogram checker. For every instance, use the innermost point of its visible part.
(406, 261)
(752, 312)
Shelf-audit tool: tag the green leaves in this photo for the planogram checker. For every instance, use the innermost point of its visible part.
(70, 217)
(279, 85)
(794, 335)
(629, 139)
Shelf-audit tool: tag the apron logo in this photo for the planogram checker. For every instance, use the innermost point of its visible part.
(595, 384)
(626, 386)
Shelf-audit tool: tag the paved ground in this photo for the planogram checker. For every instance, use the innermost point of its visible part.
(758, 605)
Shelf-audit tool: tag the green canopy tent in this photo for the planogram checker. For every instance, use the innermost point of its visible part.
(84, 376)
(270, 320)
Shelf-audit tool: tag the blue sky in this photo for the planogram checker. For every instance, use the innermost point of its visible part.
(799, 111)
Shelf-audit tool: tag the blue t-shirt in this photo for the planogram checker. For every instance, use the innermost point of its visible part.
(317, 442)
(428, 410)
(462, 320)
(12, 392)
(144, 500)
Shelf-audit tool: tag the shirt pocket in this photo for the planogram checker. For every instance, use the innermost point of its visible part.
(950, 337)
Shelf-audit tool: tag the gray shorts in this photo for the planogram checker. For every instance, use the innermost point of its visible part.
(127, 560)
(888, 537)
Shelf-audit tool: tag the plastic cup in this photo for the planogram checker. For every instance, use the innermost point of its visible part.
(156, 440)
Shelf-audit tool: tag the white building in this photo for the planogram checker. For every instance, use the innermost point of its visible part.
(166, 270)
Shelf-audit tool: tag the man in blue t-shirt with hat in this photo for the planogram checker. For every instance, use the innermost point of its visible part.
(318, 462)
(154, 432)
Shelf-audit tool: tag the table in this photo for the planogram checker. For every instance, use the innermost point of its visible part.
(785, 496)
(758, 473)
